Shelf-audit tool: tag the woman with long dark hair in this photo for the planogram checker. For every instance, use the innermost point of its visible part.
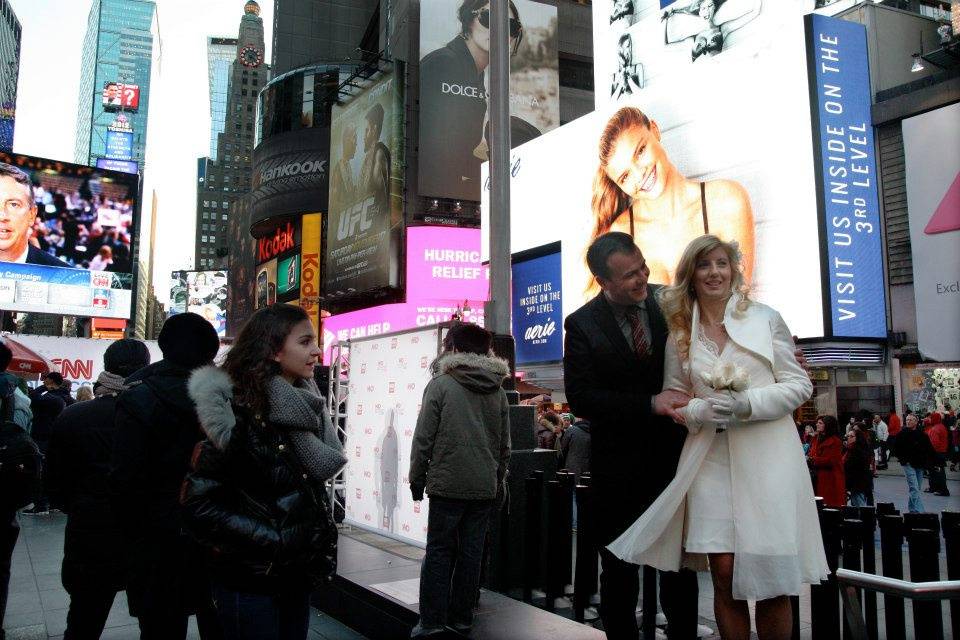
(255, 498)
(826, 460)
(638, 190)
(858, 477)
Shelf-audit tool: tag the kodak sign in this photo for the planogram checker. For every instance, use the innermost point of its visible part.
(310, 268)
(272, 246)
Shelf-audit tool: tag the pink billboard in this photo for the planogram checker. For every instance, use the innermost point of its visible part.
(443, 263)
(388, 318)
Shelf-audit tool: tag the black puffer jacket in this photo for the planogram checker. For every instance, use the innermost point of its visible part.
(250, 503)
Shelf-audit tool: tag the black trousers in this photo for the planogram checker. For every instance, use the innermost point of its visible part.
(938, 475)
(87, 616)
(9, 532)
(618, 503)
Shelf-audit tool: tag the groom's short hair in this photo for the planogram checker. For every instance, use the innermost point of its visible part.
(606, 245)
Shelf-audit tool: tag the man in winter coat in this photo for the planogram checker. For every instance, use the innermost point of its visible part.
(575, 448)
(459, 456)
(47, 402)
(939, 438)
(915, 453)
(156, 430)
(78, 469)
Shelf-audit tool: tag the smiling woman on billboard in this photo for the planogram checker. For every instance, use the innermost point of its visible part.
(638, 190)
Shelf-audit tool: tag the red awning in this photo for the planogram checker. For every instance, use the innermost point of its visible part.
(24, 360)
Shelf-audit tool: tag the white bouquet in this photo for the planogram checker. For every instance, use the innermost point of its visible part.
(726, 377)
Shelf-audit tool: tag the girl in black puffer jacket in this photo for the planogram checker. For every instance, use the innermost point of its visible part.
(255, 498)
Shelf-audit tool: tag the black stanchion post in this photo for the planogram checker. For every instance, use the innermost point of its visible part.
(567, 482)
(924, 550)
(868, 533)
(951, 539)
(585, 578)
(533, 487)
(825, 597)
(553, 587)
(795, 610)
(913, 521)
(648, 624)
(886, 509)
(852, 537)
(891, 554)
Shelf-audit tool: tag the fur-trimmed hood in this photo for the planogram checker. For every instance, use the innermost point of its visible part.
(483, 374)
(211, 390)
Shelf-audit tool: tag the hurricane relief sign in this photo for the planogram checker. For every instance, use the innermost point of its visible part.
(444, 263)
(840, 101)
(538, 309)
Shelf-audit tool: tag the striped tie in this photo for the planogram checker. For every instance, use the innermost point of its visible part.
(639, 336)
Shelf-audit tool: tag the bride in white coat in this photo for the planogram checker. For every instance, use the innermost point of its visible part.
(741, 495)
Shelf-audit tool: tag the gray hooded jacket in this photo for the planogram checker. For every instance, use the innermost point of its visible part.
(461, 445)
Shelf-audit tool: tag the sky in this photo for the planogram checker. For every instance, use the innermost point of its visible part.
(179, 129)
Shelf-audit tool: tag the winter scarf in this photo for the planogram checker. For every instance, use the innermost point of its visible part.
(108, 384)
(299, 411)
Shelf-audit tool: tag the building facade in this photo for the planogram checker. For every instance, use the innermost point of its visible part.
(115, 73)
(308, 31)
(221, 53)
(10, 32)
(220, 182)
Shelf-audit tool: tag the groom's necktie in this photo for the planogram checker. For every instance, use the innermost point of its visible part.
(640, 345)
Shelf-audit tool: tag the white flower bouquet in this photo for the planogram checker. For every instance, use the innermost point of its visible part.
(726, 378)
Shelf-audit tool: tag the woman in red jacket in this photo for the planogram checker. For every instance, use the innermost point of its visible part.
(826, 459)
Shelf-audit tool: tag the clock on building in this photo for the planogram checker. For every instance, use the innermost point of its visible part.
(250, 56)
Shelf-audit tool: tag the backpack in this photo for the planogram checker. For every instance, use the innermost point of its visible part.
(21, 462)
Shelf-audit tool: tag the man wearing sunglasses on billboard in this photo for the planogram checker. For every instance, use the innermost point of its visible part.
(18, 210)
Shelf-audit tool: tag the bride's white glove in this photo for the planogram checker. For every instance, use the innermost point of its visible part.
(699, 413)
(731, 403)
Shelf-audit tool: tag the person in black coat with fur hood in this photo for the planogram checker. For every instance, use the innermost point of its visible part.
(255, 499)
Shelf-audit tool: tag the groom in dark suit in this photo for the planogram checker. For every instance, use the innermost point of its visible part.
(613, 374)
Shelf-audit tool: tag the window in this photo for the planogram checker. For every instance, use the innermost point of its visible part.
(206, 215)
(225, 204)
(213, 239)
(203, 238)
(206, 203)
(206, 227)
(214, 204)
(223, 217)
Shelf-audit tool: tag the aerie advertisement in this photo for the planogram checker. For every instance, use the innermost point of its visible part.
(454, 82)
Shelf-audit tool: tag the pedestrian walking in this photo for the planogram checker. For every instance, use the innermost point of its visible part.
(882, 431)
(255, 498)
(47, 403)
(858, 477)
(156, 430)
(459, 456)
(940, 441)
(575, 448)
(78, 470)
(916, 454)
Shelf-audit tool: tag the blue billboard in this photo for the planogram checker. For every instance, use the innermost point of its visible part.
(537, 307)
(119, 145)
(125, 166)
(846, 179)
(6, 134)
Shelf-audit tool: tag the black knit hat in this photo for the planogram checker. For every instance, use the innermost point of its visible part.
(188, 340)
(126, 356)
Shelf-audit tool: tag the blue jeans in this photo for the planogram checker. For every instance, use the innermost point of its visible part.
(858, 499)
(251, 616)
(450, 573)
(914, 482)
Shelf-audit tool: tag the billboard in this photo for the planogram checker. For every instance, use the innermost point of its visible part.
(288, 275)
(266, 284)
(61, 216)
(123, 166)
(241, 263)
(693, 153)
(119, 145)
(8, 115)
(537, 309)
(79, 360)
(933, 194)
(310, 276)
(454, 131)
(203, 293)
(366, 200)
(444, 263)
(120, 97)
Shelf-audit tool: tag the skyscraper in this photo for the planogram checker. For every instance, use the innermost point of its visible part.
(307, 31)
(221, 53)
(9, 72)
(115, 71)
(221, 181)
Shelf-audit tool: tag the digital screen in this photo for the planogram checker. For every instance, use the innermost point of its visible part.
(537, 305)
(123, 166)
(203, 293)
(266, 291)
(444, 263)
(67, 225)
(119, 145)
(288, 275)
(121, 97)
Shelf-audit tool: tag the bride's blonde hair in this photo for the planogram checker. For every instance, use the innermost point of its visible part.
(676, 301)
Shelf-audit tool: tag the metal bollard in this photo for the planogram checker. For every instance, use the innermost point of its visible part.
(568, 481)
(553, 583)
(795, 611)
(868, 533)
(533, 487)
(886, 509)
(648, 623)
(825, 597)
(913, 521)
(851, 531)
(891, 554)
(585, 578)
(924, 550)
(951, 539)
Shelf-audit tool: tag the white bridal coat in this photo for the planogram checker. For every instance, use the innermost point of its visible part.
(777, 538)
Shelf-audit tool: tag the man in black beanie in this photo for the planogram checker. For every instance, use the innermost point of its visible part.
(78, 467)
(157, 429)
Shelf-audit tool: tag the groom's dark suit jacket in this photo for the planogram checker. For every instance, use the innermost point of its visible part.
(608, 385)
